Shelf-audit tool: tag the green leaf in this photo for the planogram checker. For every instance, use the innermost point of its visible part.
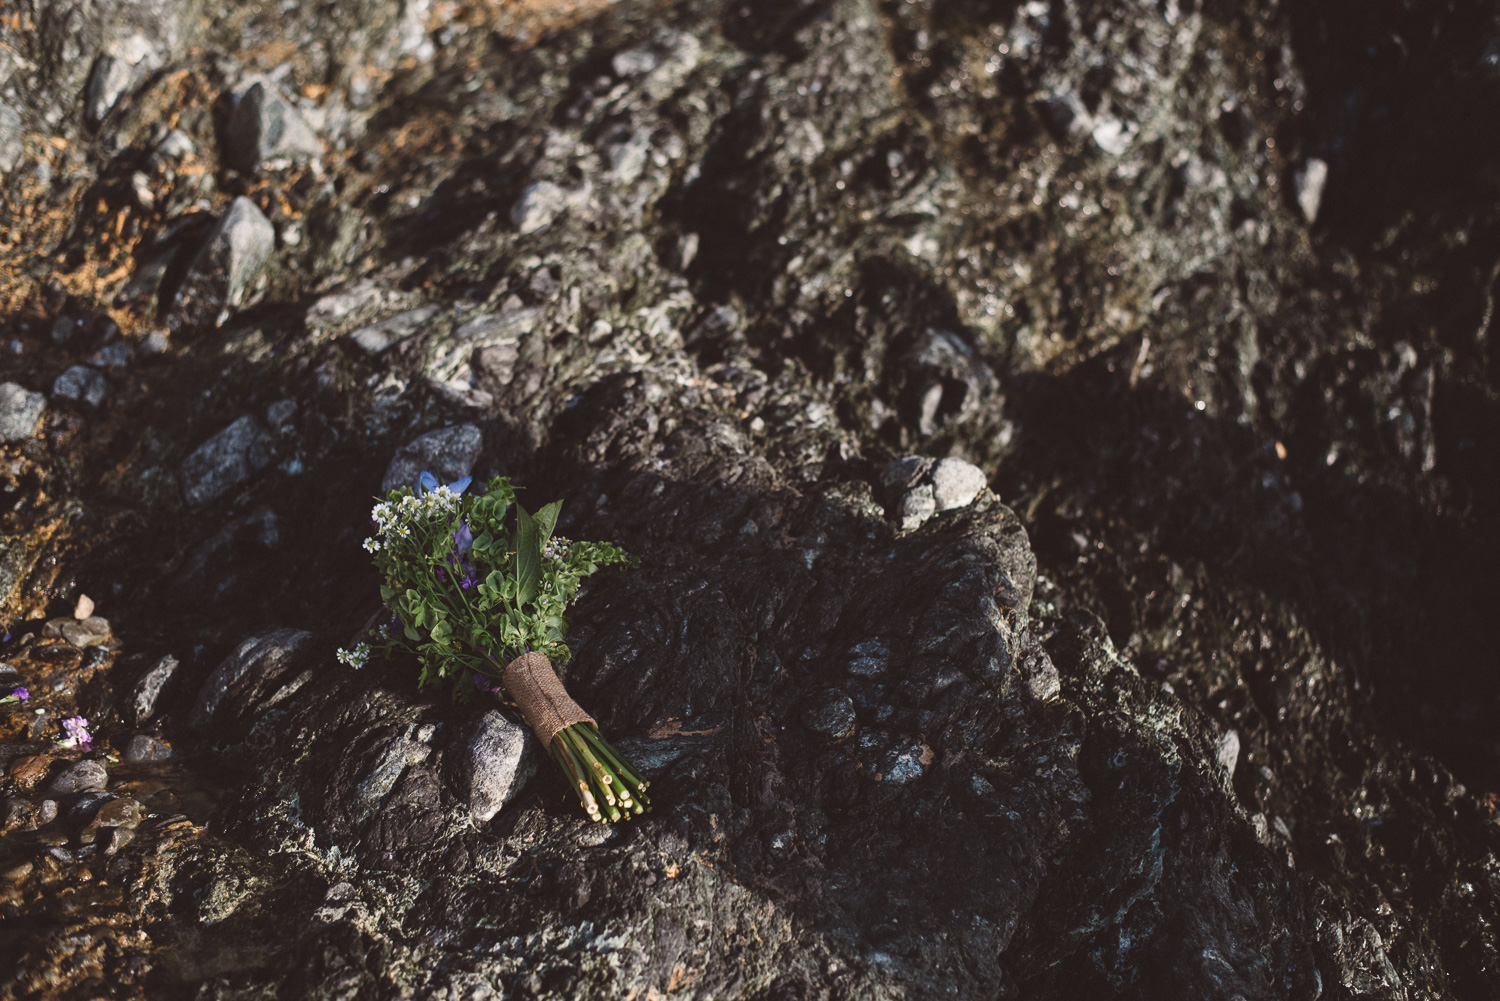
(546, 520)
(528, 556)
(387, 593)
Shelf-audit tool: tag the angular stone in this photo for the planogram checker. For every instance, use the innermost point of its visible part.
(222, 276)
(84, 776)
(80, 384)
(498, 760)
(538, 206)
(224, 461)
(955, 483)
(379, 337)
(124, 64)
(265, 131)
(247, 674)
(448, 453)
(20, 409)
(917, 505)
(832, 718)
(145, 749)
(92, 631)
(1309, 183)
(148, 689)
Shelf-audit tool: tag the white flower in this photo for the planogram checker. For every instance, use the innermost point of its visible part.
(355, 658)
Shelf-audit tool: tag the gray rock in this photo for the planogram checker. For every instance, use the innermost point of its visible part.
(497, 760)
(833, 717)
(145, 749)
(540, 204)
(917, 505)
(115, 354)
(1228, 752)
(449, 453)
(223, 275)
(12, 146)
(46, 812)
(247, 675)
(379, 337)
(224, 461)
(147, 690)
(82, 776)
(955, 483)
(266, 132)
(20, 409)
(80, 384)
(92, 631)
(124, 64)
(175, 146)
(1309, 183)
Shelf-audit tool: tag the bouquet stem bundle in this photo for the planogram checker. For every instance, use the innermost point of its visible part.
(475, 582)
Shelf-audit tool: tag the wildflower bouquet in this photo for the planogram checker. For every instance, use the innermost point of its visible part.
(478, 587)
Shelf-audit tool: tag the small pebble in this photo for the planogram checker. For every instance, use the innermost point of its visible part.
(84, 608)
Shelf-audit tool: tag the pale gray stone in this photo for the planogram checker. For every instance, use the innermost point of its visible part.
(265, 131)
(80, 384)
(20, 409)
(497, 762)
(955, 483)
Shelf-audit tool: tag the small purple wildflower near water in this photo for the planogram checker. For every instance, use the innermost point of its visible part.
(77, 730)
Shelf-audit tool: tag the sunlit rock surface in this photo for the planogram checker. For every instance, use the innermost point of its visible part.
(1060, 442)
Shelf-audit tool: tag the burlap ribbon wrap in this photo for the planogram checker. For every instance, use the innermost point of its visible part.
(531, 682)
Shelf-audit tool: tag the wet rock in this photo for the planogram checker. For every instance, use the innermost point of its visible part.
(833, 718)
(497, 760)
(17, 873)
(80, 384)
(955, 483)
(123, 813)
(267, 133)
(380, 337)
(123, 65)
(146, 749)
(26, 772)
(448, 453)
(83, 776)
(144, 696)
(225, 461)
(223, 276)
(20, 410)
(85, 807)
(249, 675)
(46, 812)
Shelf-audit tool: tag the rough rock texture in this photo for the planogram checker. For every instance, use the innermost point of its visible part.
(1195, 700)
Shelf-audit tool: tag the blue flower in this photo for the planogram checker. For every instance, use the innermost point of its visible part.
(463, 538)
(428, 483)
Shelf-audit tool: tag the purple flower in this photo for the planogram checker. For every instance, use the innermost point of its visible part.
(463, 538)
(77, 730)
(20, 695)
(484, 685)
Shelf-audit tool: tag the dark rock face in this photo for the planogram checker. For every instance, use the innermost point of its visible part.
(1059, 441)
